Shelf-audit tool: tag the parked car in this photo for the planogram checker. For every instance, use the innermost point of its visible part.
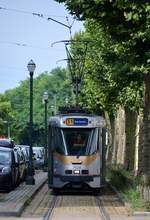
(38, 157)
(9, 169)
(7, 143)
(20, 158)
(26, 150)
(42, 150)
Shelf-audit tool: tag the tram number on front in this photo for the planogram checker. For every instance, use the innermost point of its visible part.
(70, 121)
(76, 121)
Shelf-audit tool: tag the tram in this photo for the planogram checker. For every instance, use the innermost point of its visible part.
(76, 150)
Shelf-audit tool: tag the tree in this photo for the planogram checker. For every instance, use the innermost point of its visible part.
(108, 75)
(127, 23)
(56, 84)
(108, 81)
(6, 115)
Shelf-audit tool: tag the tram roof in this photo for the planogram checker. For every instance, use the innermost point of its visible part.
(77, 120)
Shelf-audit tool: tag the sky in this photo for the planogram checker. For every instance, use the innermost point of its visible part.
(24, 36)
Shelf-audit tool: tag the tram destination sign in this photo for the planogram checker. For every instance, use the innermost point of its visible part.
(77, 121)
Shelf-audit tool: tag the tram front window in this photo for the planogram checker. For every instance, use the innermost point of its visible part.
(80, 142)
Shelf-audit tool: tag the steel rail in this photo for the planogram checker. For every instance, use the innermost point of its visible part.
(104, 213)
(56, 198)
(52, 205)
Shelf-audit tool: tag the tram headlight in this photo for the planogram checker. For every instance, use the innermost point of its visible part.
(55, 171)
(76, 171)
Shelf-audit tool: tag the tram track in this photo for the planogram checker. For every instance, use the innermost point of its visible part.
(52, 205)
(104, 213)
(77, 207)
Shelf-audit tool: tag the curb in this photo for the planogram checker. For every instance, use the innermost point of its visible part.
(136, 213)
(14, 209)
(28, 200)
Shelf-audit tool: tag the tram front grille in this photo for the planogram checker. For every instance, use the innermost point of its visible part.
(68, 171)
(85, 172)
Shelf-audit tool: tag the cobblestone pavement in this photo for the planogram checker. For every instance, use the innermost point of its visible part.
(76, 207)
(73, 206)
(40, 218)
(131, 218)
(12, 204)
(40, 204)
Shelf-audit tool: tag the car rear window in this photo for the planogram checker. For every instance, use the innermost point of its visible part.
(6, 143)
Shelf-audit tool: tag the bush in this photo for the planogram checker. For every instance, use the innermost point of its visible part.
(127, 184)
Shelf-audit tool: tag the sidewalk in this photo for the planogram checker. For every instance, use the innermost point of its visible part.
(14, 202)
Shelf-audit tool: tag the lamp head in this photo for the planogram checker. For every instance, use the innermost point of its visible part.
(45, 96)
(31, 66)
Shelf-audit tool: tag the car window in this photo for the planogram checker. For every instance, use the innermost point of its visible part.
(37, 152)
(16, 156)
(5, 157)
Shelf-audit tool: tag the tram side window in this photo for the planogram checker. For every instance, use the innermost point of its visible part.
(59, 144)
(92, 145)
(96, 141)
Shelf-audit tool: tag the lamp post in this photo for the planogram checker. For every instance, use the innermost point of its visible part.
(30, 179)
(8, 128)
(45, 101)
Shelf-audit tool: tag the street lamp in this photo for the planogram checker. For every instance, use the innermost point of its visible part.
(8, 128)
(54, 105)
(30, 179)
(66, 101)
(52, 110)
(45, 101)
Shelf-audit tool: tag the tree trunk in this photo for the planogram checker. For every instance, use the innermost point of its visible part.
(119, 139)
(145, 151)
(130, 131)
(109, 147)
(137, 139)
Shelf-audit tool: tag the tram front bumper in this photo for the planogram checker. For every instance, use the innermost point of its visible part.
(76, 179)
(60, 181)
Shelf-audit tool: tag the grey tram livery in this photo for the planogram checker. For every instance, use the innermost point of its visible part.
(76, 151)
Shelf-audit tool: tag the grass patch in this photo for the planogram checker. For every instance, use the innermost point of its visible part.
(133, 197)
(126, 184)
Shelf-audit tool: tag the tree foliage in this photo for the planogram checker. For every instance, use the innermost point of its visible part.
(109, 77)
(55, 83)
(121, 30)
(6, 115)
(127, 22)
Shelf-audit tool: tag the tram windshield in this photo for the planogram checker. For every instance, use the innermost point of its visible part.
(77, 141)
